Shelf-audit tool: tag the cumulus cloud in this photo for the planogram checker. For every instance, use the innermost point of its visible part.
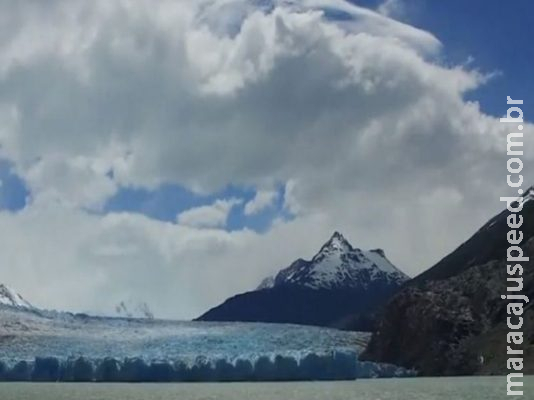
(211, 216)
(262, 200)
(64, 259)
(159, 85)
(76, 181)
(369, 132)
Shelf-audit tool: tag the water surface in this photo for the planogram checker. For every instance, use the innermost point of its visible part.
(477, 388)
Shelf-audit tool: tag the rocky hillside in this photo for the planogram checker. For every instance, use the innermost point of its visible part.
(450, 320)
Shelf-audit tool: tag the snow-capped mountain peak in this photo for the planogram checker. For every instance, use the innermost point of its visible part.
(337, 243)
(338, 265)
(9, 297)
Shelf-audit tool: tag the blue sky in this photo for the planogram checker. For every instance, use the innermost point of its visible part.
(496, 34)
(168, 201)
(163, 203)
(13, 192)
(493, 34)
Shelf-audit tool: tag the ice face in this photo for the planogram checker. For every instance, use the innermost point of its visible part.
(59, 346)
(313, 367)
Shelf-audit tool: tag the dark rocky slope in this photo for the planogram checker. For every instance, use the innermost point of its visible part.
(450, 320)
(304, 306)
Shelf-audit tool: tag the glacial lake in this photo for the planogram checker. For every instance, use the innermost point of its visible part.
(472, 388)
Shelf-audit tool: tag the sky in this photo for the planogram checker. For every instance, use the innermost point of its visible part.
(178, 152)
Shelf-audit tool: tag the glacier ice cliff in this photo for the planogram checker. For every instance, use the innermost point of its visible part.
(42, 346)
(314, 367)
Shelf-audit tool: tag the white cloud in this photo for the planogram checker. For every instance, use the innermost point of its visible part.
(370, 134)
(66, 259)
(211, 216)
(391, 8)
(262, 200)
(172, 64)
(76, 181)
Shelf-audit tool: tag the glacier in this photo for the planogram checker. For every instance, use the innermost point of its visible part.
(45, 346)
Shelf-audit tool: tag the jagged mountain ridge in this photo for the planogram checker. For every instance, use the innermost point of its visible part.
(339, 283)
(338, 265)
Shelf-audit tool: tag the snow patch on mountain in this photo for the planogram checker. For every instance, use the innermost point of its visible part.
(267, 283)
(338, 265)
(10, 297)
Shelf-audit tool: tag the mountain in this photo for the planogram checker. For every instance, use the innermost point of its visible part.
(11, 298)
(450, 320)
(338, 282)
(488, 243)
(125, 309)
(339, 266)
